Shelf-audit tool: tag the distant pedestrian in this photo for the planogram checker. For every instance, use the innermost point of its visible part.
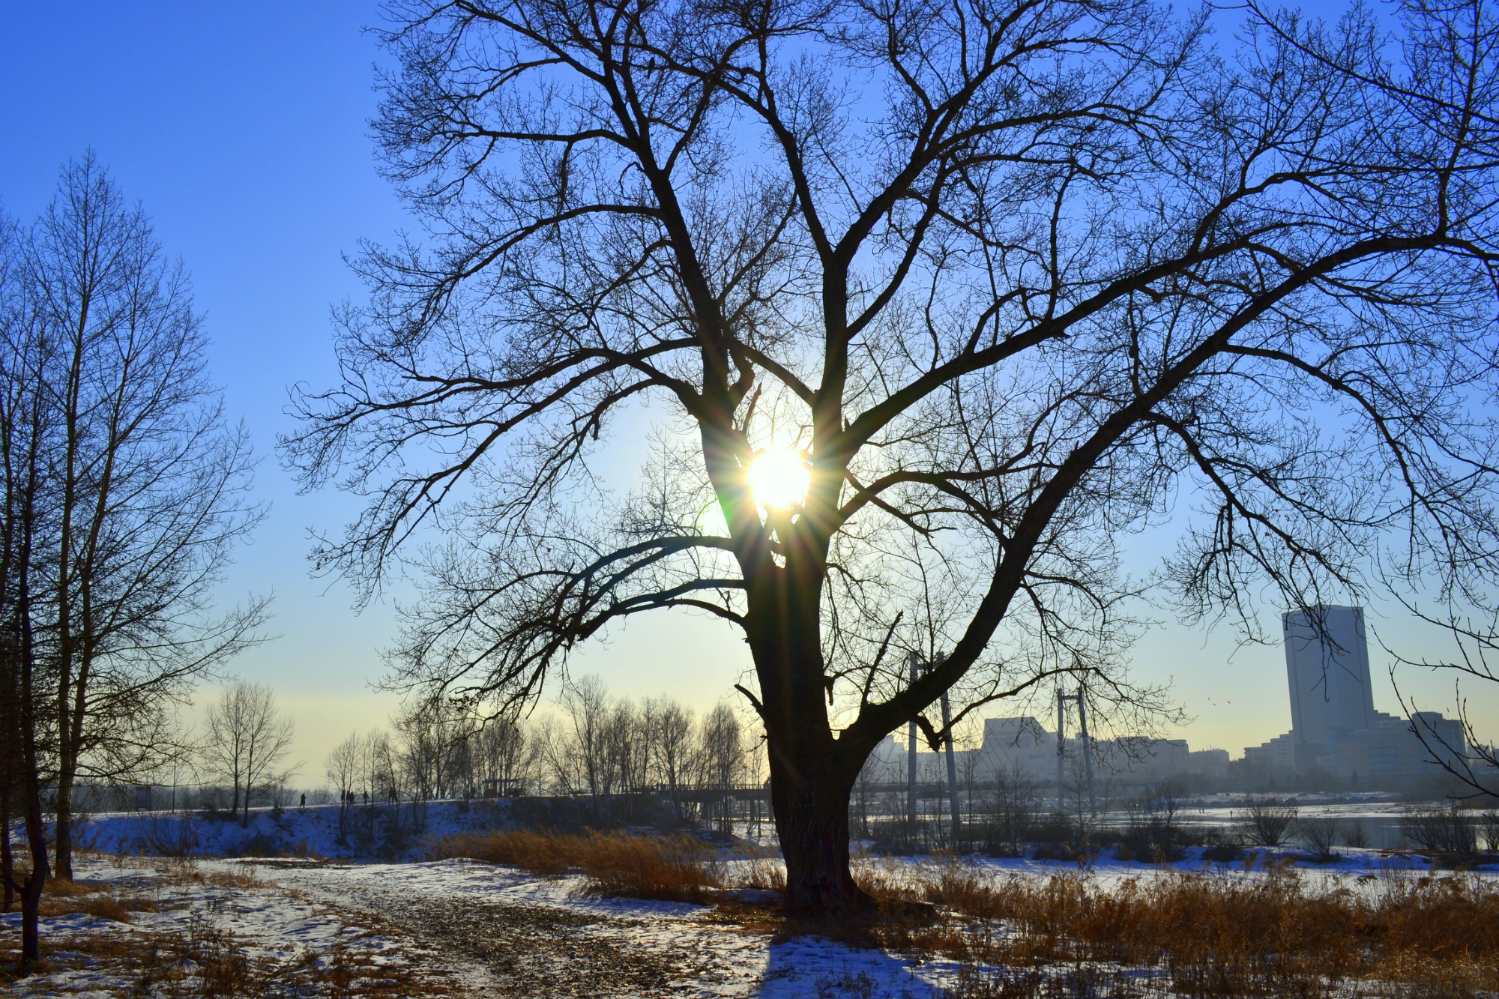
(304, 799)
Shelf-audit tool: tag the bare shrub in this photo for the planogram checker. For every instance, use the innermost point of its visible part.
(222, 967)
(1488, 824)
(1445, 832)
(1266, 821)
(1320, 835)
(1153, 834)
(1017, 802)
(1222, 848)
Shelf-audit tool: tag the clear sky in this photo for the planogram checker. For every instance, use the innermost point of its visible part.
(242, 130)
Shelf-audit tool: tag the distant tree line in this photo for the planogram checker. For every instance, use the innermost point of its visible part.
(594, 747)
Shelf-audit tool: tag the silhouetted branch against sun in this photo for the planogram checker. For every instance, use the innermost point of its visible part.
(932, 303)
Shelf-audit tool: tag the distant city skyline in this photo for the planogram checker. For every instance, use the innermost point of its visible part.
(253, 160)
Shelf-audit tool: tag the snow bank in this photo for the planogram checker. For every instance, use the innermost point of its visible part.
(369, 832)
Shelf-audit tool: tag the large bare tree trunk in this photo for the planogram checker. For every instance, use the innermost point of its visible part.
(810, 801)
(811, 774)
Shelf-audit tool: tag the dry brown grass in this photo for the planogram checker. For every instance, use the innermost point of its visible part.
(60, 888)
(1192, 934)
(539, 853)
(1217, 934)
(765, 874)
(672, 868)
(64, 898)
(238, 879)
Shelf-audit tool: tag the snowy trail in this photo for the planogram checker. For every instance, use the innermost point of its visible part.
(272, 940)
(541, 937)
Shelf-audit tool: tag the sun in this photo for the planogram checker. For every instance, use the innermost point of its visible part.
(779, 477)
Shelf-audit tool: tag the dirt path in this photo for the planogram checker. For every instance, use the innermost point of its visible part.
(534, 938)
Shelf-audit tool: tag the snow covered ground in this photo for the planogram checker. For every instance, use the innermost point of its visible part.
(430, 928)
(458, 927)
(154, 927)
(525, 929)
(1353, 869)
(319, 923)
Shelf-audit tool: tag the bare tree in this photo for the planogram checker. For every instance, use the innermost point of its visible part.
(27, 727)
(383, 771)
(1321, 834)
(579, 757)
(722, 757)
(669, 746)
(247, 742)
(433, 748)
(11, 775)
(1045, 272)
(1017, 804)
(151, 486)
(505, 755)
(1267, 821)
(344, 764)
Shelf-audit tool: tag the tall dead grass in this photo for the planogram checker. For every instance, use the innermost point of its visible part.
(672, 868)
(1222, 935)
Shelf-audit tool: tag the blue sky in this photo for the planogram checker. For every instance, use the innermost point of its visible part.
(242, 131)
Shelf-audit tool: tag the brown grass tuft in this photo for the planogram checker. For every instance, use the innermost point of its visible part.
(672, 868)
(62, 888)
(64, 898)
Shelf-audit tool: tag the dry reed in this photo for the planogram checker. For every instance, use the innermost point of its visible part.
(673, 868)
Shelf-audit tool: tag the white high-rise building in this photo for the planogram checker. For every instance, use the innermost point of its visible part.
(1327, 665)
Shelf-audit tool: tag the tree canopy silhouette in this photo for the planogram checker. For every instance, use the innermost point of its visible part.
(1013, 278)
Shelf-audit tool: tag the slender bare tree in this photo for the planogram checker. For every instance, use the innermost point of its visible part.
(247, 743)
(343, 775)
(669, 747)
(926, 299)
(28, 745)
(722, 758)
(12, 383)
(506, 754)
(152, 486)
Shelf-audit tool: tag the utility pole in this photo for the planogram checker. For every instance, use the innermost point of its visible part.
(1087, 747)
(952, 773)
(1082, 725)
(1061, 746)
